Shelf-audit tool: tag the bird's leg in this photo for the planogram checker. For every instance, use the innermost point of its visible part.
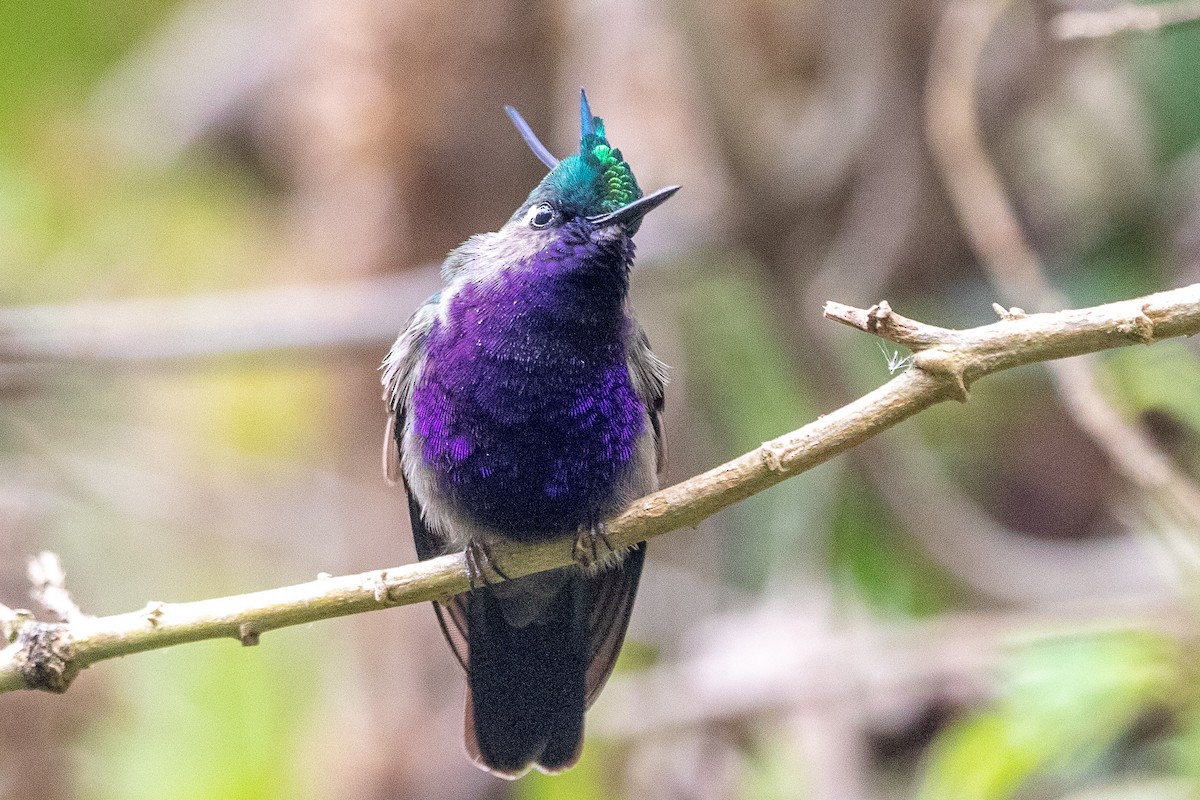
(478, 560)
(586, 550)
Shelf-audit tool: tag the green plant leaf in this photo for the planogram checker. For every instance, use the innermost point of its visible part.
(1063, 702)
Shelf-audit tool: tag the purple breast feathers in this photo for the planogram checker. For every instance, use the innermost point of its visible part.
(524, 407)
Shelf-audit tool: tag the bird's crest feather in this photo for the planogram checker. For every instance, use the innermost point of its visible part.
(596, 180)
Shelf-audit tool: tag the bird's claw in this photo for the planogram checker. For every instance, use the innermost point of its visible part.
(478, 561)
(586, 550)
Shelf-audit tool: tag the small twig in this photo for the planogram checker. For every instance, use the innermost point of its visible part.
(49, 655)
(1126, 17)
(50, 587)
(880, 320)
(1026, 337)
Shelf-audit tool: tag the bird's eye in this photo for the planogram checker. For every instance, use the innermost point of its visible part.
(542, 216)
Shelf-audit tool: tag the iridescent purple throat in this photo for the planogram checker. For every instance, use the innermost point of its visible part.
(524, 405)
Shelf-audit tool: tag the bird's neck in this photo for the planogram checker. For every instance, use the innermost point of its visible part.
(579, 280)
(572, 292)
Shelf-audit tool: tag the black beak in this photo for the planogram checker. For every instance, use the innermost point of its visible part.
(633, 212)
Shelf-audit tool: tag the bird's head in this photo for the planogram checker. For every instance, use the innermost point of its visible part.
(596, 184)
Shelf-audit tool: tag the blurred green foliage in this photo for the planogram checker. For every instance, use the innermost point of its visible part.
(212, 721)
(874, 558)
(52, 54)
(1064, 702)
(773, 772)
(587, 780)
(280, 412)
(78, 228)
(740, 377)
(1126, 263)
(72, 222)
(1165, 377)
(1165, 65)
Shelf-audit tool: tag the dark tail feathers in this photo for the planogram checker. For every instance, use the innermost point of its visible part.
(527, 692)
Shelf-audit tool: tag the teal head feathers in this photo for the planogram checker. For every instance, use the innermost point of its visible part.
(595, 183)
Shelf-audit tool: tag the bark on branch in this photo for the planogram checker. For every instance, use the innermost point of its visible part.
(46, 655)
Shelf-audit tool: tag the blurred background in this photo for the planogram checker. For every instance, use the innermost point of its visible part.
(215, 215)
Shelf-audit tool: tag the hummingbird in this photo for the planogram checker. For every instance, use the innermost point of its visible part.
(525, 404)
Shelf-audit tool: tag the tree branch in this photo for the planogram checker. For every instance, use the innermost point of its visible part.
(1094, 24)
(48, 656)
(167, 329)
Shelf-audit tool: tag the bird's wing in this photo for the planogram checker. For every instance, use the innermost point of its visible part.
(451, 612)
(399, 374)
(609, 603)
(649, 375)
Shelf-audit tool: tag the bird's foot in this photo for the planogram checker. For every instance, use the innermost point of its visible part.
(479, 559)
(586, 550)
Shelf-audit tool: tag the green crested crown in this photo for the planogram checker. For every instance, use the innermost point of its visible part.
(596, 180)
(616, 185)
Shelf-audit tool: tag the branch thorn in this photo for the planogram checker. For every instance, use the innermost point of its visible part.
(382, 595)
(1140, 328)
(247, 635)
(878, 314)
(772, 455)
(1008, 313)
(153, 612)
